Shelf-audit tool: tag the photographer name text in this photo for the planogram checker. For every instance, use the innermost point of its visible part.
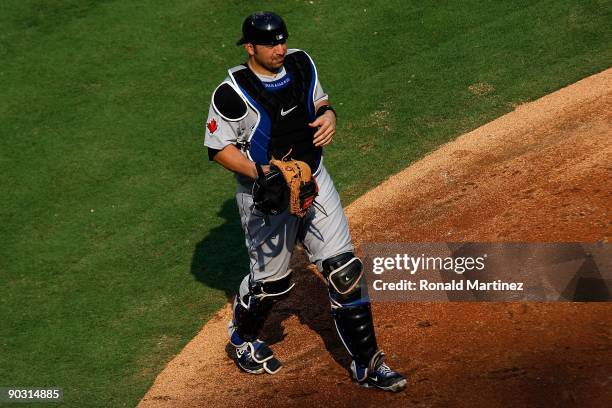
(453, 285)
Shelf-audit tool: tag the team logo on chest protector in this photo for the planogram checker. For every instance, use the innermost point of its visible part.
(278, 84)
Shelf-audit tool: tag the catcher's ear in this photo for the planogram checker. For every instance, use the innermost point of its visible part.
(250, 49)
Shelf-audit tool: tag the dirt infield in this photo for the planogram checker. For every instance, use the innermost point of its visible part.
(540, 173)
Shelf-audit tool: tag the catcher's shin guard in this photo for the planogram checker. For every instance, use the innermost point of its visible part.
(351, 306)
(250, 312)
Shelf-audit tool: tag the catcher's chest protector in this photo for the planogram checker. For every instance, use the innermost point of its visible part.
(285, 108)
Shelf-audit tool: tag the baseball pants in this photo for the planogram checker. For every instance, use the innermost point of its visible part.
(323, 232)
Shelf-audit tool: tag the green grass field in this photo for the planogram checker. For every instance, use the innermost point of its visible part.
(119, 238)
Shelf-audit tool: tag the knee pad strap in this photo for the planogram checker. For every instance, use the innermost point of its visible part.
(272, 288)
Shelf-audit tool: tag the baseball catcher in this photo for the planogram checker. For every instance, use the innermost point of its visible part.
(268, 123)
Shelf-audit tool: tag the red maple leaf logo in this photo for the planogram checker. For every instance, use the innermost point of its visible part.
(212, 126)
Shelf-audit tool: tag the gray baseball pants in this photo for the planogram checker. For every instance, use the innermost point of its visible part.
(270, 246)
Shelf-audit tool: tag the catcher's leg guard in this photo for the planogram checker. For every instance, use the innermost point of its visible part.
(351, 306)
(250, 313)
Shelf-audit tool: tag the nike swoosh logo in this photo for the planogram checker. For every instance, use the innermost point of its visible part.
(285, 113)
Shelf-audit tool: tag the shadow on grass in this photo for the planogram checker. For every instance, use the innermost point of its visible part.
(220, 261)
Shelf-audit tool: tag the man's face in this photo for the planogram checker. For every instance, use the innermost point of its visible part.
(270, 57)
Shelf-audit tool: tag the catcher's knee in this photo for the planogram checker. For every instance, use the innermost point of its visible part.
(272, 290)
(263, 294)
(344, 274)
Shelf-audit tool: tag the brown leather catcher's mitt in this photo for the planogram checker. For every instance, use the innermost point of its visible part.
(302, 187)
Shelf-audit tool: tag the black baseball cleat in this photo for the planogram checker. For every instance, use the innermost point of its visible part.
(378, 374)
(254, 357)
